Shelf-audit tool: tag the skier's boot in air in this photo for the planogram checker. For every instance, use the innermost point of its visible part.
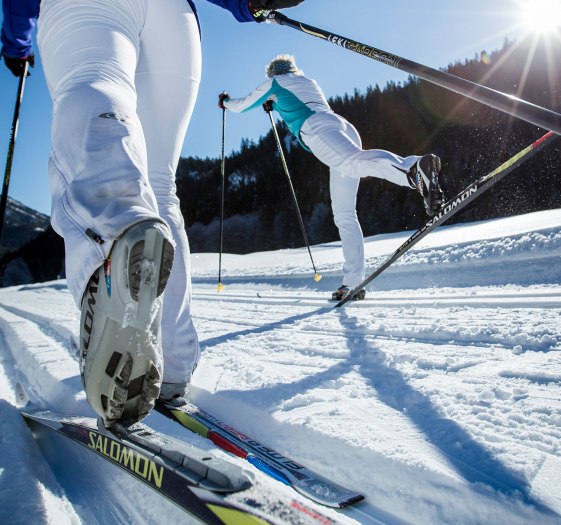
(343, 291)
(424, 177)
(120, 350)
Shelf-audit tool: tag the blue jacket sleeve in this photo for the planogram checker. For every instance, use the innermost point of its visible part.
(239, 8)
(20, 18)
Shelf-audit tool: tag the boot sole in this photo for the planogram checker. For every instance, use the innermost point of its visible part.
(435, 198)
(131, 399)
(129, 379)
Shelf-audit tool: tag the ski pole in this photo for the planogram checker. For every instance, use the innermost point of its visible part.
(269, 110)
(220, 286)
(11, 146)
(455, 204)
(510, 104)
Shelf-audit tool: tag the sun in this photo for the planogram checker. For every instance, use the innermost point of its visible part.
(541, 16)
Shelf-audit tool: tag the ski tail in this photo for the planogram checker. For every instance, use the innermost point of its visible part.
(454, 205)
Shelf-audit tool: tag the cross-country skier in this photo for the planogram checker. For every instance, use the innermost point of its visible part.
(334, 141)
(123, 76)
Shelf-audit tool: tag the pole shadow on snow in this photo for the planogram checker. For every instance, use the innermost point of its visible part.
(207, 343)
(471, 459)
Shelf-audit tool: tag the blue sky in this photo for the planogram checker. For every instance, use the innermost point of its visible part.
(434, 32)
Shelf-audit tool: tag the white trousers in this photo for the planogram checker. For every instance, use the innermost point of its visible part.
(123, 76)
(336, 143)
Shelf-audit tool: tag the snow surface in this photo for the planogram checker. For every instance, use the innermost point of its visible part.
(438, 397)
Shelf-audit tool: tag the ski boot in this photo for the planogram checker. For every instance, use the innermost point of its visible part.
(343, 291)
(174, 393)
(121, 361)
(423, 177)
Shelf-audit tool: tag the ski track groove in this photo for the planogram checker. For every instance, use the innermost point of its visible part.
(518, 299)
(490, 326)
(52, 365)
(59, 333)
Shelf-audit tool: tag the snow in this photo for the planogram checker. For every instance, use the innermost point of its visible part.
(438, 397)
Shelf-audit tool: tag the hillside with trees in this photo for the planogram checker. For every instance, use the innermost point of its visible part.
(413, 117)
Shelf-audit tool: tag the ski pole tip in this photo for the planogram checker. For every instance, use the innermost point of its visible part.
(317, 277)
(220, 287)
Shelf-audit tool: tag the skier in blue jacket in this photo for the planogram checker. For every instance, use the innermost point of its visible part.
(334, 141)
(123, 76)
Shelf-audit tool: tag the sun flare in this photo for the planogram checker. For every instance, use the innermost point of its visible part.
(541, 16)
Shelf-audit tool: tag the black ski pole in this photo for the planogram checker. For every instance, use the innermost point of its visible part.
(220, 286)
(269, 110)
(11, 146)
(454, 205)
(510, 104)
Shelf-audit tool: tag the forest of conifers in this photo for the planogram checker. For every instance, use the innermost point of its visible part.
(414, 117)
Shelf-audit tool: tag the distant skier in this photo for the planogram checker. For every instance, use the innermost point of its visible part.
(335, 142)
(123, 76)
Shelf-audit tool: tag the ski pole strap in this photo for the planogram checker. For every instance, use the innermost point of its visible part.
(510, 104)
(454, 205)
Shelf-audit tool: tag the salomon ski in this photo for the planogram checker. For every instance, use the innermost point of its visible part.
(214, 490)
(283, 469)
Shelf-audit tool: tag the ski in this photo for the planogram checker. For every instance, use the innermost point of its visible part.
(454, 205)
(276, 465)
(213, 490)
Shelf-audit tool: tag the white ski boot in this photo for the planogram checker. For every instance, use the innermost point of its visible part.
(120, 350)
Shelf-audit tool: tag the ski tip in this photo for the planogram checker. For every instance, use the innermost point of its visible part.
(317, 277)
(352, 500)
(326, 493)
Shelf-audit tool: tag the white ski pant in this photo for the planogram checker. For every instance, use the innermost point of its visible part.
(336, 143)
(123, 76)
